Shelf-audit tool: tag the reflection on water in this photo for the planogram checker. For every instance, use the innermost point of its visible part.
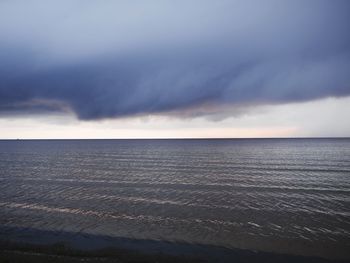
(284, 195)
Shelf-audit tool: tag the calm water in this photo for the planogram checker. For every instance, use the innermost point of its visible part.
(280, 195)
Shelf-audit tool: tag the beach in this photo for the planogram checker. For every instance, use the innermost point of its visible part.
(43, 246)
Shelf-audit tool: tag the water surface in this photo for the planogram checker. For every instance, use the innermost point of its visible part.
(278, 195)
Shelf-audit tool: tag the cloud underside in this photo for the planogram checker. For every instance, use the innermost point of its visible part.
(226, 60)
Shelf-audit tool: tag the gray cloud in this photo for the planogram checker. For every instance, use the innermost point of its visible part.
(123, 58)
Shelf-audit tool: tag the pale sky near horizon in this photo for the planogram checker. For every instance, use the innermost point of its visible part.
(174, 69)
(311, 119)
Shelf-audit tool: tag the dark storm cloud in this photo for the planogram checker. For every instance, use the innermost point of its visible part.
(124, 58)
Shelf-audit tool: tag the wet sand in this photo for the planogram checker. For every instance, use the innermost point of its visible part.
(31, 245)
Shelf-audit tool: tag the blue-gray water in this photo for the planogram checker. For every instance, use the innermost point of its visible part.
(279, 195)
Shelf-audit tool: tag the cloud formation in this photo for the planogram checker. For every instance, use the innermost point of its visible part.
(123, 58)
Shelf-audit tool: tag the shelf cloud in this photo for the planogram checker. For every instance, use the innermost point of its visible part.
(126, 58)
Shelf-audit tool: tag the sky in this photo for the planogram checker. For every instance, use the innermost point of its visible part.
(174, 69)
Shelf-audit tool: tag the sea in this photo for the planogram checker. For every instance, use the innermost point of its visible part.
(288, 196)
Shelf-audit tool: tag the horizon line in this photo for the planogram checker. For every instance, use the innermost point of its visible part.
(174, 138)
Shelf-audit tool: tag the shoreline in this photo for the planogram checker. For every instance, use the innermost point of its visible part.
(32, 245)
